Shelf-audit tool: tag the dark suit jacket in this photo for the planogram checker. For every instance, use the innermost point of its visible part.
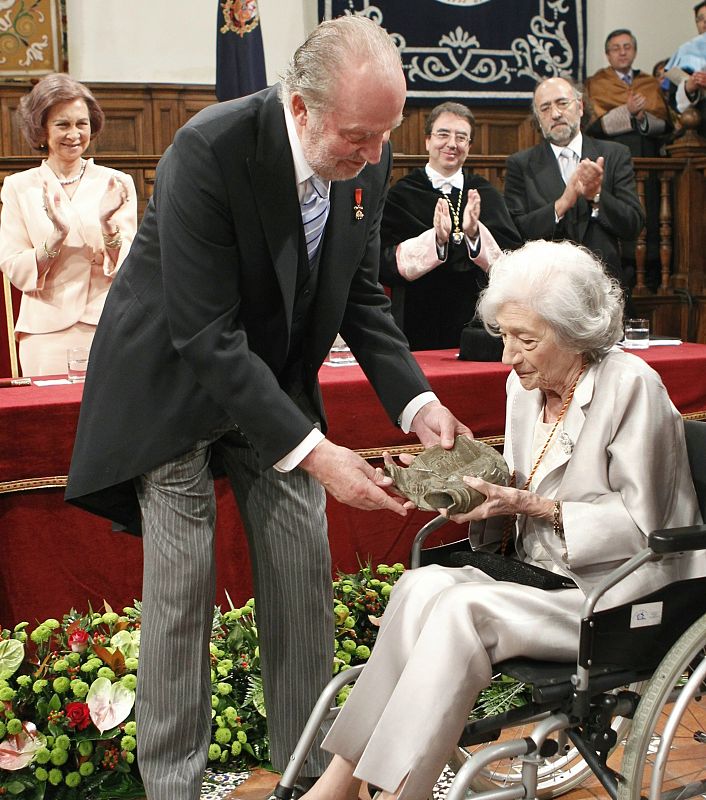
(533, 182)
(195, 332)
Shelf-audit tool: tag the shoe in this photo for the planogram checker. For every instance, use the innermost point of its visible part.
(259, 785)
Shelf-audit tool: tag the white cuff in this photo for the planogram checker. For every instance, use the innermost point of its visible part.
(410, 410)
(301, 451)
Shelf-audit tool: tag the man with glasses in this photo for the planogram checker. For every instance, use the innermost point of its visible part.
(441, 229)
(628, 106)
(571, 186)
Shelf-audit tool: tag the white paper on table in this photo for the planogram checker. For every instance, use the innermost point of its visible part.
(661, 342)
(52, 382)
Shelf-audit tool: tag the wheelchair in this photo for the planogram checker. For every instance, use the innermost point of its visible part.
(631, 709)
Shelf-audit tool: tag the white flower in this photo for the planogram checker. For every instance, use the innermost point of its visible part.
(18, 751)
(109, 703)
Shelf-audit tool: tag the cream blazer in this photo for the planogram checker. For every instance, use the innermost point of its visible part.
(75, 286)
(627, 476)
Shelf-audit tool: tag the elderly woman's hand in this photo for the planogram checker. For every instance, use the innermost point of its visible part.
(504, 501)
(57, 217)
(114, 197)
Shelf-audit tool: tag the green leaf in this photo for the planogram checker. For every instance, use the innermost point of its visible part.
(12, 653)
(55, 703)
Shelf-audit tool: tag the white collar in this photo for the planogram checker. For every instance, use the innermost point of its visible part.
(302, 170)
(438, 180)
(576, 145)
(621, 75)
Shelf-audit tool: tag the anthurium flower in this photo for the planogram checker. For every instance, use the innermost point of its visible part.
(128, 643)
(12, 653)
(109, 703)
(18, 751)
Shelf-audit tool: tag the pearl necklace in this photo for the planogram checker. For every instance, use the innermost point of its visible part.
(76, 178)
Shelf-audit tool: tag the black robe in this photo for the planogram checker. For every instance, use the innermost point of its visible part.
(432, 310)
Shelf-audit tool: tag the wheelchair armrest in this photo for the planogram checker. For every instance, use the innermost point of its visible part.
(676, 540)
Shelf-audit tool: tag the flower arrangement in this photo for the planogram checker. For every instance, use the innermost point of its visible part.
(67, 692)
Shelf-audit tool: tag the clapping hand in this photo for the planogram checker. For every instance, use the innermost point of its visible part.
(53, 208)
(442, 222)
(471, 214)
(114, 197)
(636, 103)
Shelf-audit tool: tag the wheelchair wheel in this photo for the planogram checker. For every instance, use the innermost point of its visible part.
(667, 744)
(555, 776)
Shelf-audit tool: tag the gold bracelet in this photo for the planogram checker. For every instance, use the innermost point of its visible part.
(113, 240)
(557, 522)
(50, 254)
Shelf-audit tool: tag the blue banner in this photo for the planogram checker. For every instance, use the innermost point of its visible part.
(481, 50)
(240, 58)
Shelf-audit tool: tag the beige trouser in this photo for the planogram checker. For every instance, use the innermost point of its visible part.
(440, 634)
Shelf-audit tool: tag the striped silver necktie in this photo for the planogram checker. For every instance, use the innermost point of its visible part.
(314, 208)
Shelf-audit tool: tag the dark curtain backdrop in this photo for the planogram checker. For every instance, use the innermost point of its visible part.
(481, 50)
(240, 58)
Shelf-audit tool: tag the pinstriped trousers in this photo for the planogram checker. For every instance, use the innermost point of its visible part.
(285, 522)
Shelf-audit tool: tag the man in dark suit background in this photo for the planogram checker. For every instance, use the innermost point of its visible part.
(571, 186)
(260, 244)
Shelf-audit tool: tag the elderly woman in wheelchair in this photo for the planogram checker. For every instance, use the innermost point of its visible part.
(600, 461)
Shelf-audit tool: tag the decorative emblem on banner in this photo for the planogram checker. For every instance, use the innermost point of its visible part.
(240, 16)
(544, 38)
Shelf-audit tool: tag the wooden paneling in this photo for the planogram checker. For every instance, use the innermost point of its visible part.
(140, 119)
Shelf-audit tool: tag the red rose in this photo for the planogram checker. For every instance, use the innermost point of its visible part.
(77, 715)
(78, 640)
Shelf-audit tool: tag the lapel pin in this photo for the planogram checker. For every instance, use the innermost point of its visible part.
(358, 212)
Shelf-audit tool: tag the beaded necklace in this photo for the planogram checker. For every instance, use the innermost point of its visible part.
(76, 178)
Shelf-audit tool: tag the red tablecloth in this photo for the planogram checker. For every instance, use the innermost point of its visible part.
(53, 556)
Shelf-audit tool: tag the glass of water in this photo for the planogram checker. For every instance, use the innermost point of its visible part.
(637, 334)
(77, 363)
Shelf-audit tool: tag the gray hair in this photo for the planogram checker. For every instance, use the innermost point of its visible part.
(576, 87)
(317, 65)
(567, 286)
(620, 32)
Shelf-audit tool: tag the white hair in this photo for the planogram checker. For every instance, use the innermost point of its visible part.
(317, 65)
(567, 286)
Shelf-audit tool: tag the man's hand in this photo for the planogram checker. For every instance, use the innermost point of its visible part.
(442, 222)
(351, 480)
(696, 81)
(471, 214)
(589, 177)
(636, 103)
(435, 424)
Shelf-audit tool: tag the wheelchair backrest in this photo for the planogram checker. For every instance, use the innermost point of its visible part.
(695, 432)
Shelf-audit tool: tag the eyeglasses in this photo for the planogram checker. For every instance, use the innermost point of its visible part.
(701, 18)
(621, 48)
(562, 104)
(443, 136)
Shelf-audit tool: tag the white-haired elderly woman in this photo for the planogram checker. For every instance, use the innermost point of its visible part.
(599, 458)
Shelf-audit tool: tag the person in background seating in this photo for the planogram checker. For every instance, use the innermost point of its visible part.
(441, 229)
(66, 225)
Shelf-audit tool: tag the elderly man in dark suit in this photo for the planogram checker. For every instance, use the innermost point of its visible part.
(260, 243)
(571, 186)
